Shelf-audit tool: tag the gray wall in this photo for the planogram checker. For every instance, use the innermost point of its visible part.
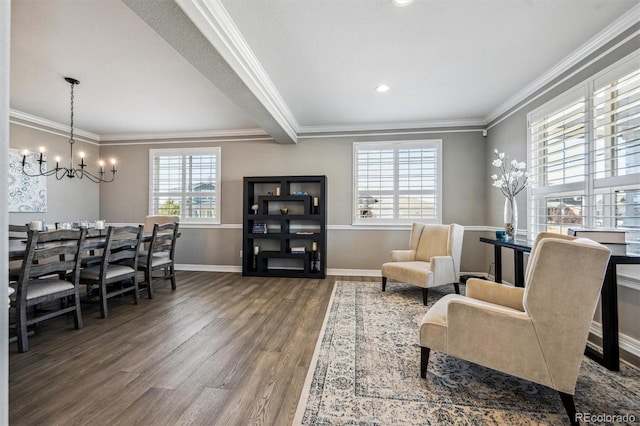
(348, 247)
(68, 200)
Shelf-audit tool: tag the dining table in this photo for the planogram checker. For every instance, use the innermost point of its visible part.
(93, 241)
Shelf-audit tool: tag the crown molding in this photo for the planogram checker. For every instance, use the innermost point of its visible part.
(43, 124)
(205, 134)
(602, 38)
(213, 20)
(403, 128)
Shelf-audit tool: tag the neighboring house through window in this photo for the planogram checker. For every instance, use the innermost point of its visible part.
(185, 182)
(397, 182)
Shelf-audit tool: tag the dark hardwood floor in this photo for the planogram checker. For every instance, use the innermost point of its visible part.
(221, 349)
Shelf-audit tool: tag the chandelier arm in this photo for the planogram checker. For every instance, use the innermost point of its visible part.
(70, 172)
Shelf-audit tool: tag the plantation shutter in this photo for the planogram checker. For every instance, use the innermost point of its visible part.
(397, 182)
(184, 182)
(559, 164)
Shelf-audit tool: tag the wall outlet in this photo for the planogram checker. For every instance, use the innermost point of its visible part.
(240, 254)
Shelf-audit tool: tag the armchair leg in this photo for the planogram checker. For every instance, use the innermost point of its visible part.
(569, 405)
(384, 283)
(424, 361)
(456, 287)
(425, 292)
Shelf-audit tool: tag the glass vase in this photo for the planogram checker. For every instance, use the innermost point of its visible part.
(510, 218)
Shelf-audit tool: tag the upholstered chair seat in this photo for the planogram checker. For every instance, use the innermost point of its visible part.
(537, 333)
(113, 272)
(432, 260)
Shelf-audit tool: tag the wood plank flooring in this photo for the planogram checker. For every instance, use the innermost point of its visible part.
(221, 349)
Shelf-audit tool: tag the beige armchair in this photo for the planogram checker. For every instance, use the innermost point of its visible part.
(537, 333)
(432, 260)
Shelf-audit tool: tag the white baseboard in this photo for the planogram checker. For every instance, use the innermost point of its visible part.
(626, 343)
(207, 268)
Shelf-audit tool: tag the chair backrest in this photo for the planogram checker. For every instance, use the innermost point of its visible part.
(151, 220)
(437, 240)
(541, 236)
(18, 232)
(163, 239)
(121, 246)
(560, 297)
(50, 252)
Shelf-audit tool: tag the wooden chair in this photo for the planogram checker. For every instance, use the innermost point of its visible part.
(39, 280)
(119, 265)
(16, 232)
(160, 255)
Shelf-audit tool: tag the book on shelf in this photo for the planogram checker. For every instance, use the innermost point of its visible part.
(259, 228)
(600, 235)
(298, 249)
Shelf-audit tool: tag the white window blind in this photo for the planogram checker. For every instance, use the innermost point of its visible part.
(185, 182)
(397, 182)
(584, 152)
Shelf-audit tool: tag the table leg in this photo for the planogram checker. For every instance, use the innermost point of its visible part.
(497, 256)
(610, 357)
(518, 268)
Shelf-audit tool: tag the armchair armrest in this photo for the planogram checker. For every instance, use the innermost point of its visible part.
(498, 294)
(443, 269)
(403, 255)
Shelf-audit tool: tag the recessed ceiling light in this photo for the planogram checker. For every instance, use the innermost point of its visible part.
(401, 3)
(382, 88)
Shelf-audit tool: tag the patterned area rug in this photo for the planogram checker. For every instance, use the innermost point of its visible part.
(366, 371)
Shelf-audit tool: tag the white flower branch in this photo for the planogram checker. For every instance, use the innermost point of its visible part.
(513, 178)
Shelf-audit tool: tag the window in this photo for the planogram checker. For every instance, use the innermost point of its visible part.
(185, 182)
(584, 152)
(397, 182)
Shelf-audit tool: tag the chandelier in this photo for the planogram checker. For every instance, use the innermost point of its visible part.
(78, 171)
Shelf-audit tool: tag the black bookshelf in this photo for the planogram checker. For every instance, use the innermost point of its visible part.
(287, 243)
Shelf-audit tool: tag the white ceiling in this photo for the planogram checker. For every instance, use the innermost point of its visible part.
(445, 60)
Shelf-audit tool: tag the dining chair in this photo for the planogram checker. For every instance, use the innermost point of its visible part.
(160, 256)
(47, 254)
(16, 232)
(118, 266)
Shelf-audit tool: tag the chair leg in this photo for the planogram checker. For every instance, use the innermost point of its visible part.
(424, 361)
(384, 283)
(136, 291)
(456, 287)
(569, 406)
(103, 301)
(147, 276)
(21, 328)
(425, 293)
(77, 314)
(173, 277)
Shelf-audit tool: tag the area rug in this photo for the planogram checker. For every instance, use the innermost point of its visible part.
(365, 371)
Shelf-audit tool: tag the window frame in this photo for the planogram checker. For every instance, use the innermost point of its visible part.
(435, 144)
(592, 187)
(184, 193)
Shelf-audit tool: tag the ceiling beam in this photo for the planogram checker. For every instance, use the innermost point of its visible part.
(214, 61)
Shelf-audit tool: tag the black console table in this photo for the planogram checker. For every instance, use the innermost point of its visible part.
(610, 356)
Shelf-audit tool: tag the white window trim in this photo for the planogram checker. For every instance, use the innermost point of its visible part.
(591, 185)
(186, 152)
(355, 221)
